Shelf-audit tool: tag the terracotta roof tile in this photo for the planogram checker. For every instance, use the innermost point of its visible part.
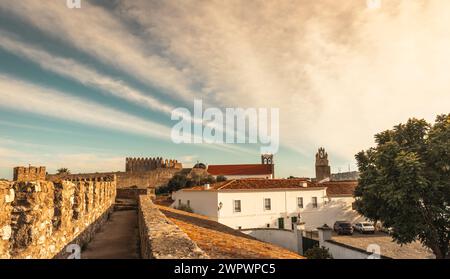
(222, 242)
(258, 184)
(249, 169)
(340, 188)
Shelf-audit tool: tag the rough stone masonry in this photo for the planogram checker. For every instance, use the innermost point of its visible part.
(38, 219)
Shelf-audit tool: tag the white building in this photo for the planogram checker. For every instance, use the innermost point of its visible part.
(256, 203)
(272, 203)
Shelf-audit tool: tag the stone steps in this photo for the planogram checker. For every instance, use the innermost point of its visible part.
(125, 204)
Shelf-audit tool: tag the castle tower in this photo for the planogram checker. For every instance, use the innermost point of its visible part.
(323, 170)
(267, 159)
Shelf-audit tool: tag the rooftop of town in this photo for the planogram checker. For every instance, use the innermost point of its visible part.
(222, 242)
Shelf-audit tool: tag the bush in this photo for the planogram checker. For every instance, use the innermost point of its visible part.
(318, 253)
(207, 180)
(186, 208)
(177, 182)
(221, 178)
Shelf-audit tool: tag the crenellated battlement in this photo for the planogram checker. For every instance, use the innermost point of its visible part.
(38, 219)
(148, 164)
(29, 173)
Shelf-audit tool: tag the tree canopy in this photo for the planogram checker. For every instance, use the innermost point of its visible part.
(405, 182)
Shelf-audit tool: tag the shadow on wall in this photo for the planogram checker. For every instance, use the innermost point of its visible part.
(329, 213)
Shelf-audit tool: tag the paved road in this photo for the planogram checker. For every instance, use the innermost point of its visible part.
(118, 238)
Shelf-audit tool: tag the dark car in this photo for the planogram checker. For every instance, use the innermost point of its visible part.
(343, 227)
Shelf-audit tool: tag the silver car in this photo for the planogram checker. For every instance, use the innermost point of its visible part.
(364, 227)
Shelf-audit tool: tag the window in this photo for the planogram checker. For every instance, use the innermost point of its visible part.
(267, 205)
(268, 225)
(179, 202)
(237, 206)
(314, 202)
(188, 203)
(300, 202)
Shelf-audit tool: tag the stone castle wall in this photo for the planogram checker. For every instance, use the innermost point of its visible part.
(160, 238)
(39, 219)
(148, 164)
(29, 173)
(149, 179)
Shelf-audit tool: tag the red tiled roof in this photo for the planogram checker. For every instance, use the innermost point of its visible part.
(222, 242)
(258, 184)
(340, 188)
(248, 169)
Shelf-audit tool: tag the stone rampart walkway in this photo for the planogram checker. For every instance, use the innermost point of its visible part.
(117, 239)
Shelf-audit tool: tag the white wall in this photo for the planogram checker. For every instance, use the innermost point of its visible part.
(284, 205)
(340, 252)
(336, 209)
(201, 202)
(253, 213)
(282, 238)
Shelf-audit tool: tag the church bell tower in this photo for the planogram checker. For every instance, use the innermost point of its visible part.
(323, 170)
(267, 159)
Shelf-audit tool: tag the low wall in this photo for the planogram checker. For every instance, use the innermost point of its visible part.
(343, 251)
(283, 238)
(133, 193)
(161, 238)
(39, 219)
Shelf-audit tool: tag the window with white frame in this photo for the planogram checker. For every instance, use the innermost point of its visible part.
(237, 205)
(267, 204)
(300, 202)
(314, 202)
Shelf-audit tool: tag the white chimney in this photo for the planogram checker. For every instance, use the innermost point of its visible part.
(206, 186)
(304, 184)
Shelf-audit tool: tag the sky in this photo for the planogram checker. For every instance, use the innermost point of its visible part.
(85, 88)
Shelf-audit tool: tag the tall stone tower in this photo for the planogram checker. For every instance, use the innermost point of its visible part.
(323, 169)
(267, 159)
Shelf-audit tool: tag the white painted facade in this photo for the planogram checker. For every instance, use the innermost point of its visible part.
(284, 206)
(334, 209)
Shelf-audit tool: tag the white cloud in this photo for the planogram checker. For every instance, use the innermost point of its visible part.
(84, 74)
(27, 97)
(338, 71)
(99, 34)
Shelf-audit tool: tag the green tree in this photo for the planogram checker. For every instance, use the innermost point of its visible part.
(177, 182)
(318, 253)
(221, 178)
(63, 171)
(405, 183)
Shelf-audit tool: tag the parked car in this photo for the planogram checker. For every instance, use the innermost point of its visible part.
(388, 231)
(364, 227)
(343, 227)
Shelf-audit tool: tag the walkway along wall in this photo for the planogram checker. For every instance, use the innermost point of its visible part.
(39, 219)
